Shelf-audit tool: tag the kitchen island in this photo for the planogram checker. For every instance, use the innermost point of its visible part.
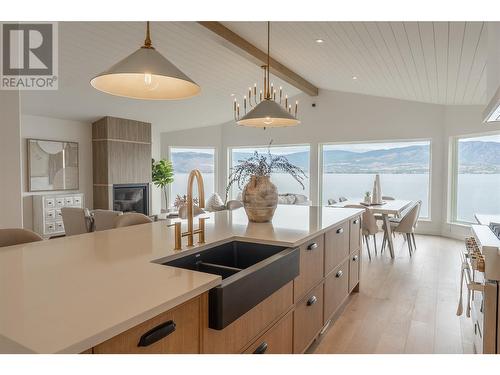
(85, 293)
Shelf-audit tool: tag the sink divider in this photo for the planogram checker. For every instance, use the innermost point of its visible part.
(221, 266)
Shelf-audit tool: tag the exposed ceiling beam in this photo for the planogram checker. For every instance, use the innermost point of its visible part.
(252, 53)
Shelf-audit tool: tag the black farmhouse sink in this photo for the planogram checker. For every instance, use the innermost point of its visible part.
(250, 273)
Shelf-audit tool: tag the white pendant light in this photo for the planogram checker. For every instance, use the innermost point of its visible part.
(146, 74)
(268, 112)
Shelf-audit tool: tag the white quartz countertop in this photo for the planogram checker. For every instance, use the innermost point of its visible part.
(69, 294)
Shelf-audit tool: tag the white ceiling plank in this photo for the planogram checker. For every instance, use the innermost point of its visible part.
(455, 53)
(426, 36)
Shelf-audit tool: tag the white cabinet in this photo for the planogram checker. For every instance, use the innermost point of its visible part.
(47, 218)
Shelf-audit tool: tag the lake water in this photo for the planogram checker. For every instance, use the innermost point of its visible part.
(476, 192)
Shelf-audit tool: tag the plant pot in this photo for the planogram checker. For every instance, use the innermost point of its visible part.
(260, 198)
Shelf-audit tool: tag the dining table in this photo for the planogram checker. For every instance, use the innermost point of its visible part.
(386, 209)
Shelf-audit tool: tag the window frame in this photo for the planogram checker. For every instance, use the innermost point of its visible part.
(453, 175)
(409, 140)
(229, 160)
(216, 167)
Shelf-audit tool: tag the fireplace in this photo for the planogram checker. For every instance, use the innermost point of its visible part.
(131, 198)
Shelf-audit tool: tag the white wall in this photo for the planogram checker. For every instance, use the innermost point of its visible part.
(337, 117)
(60, 130)
(10, 165)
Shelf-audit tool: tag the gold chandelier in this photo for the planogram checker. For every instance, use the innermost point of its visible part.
(268, 110)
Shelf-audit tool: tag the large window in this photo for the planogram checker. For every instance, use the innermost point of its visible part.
(349, 170)
(476, 180)
(298, 155)
(184, 160)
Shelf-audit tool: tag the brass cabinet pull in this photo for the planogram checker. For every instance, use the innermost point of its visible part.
(340, 230)
(157, 333)
(312, 246)
(339, 274)
(311, 301)
(261, 349)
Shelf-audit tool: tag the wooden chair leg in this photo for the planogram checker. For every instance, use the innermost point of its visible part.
(368, 247)
(408, 240)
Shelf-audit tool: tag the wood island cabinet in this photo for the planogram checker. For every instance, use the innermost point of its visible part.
(288, 321)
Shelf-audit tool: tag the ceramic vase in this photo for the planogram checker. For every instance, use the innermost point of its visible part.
(260, 198)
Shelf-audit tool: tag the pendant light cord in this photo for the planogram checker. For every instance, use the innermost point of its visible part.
(268, 42)
(147, 41)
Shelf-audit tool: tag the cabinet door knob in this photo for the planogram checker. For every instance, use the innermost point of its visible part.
(340, 230)
(261, 349)
(312, 246)
(339, 274)
(355, 258)
(157, 333)
(311, 301)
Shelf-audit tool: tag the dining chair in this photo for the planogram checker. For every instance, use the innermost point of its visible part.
(331, 202)
(406, 226)
(387, 198)
(16, 236)
(369, 227)
(132, 218)
(105, 219)
(76, 220)
(342, 199)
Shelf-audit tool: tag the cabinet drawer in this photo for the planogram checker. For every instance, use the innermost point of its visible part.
(355, 234)
(77, 201)
(68, 201)
(174, 331)
(236, 336)
(336, 289)
(59, 226)
(50, 214)
(50, 227)
(59, 202)
(50, 203)
(354, 264)
(336, 246)
(311, 267)
(307, 319)
(278, 340)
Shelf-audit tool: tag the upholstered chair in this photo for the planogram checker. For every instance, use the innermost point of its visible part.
(105, 219)
(132, 218)
(76, 220)
(16, 236)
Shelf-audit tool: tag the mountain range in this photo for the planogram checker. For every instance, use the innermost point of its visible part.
(474, 157)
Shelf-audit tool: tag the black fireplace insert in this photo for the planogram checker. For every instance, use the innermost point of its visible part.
(131, 198)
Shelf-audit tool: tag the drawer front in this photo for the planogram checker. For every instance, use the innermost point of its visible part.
(68, 201)
(336, 246)
(176, 331)
(50, 214)
(355, 234)
(50, 228)
(278, 340)
(59, 226)
(311, 267)
(58, 214)
(59, 202)
(50, 203)
(236, 336)
(307, 319)
(336, 289)
(354, 265)
(77, 201)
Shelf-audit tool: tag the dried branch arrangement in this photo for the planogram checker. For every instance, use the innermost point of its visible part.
(263, 165)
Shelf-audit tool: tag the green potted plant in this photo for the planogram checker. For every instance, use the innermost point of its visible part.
(162, 175)
(368, 197)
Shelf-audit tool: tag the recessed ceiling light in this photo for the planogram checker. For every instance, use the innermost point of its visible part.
(354, 77)
(319, 41)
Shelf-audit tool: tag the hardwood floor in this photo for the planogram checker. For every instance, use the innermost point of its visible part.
(405, 305)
